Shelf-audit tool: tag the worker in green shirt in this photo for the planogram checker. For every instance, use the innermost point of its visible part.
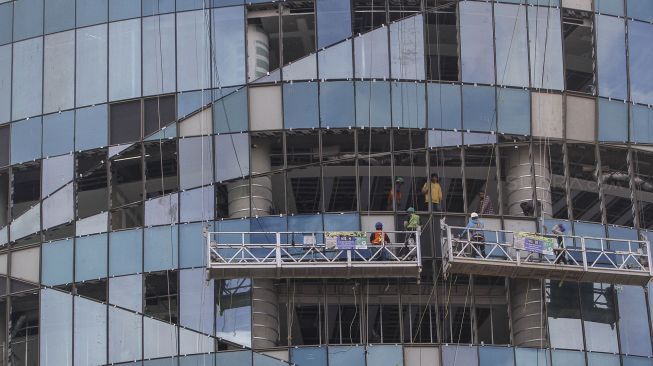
(412, 225)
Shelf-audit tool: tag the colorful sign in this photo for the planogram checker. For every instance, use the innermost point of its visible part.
(534, 243)
(345, 240)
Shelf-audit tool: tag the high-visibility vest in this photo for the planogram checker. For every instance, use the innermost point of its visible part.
(377, 238)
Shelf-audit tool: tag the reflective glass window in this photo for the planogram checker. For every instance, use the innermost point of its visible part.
(127, 292)
(158, 113)
(613, 120)
(337, 104)
(191, 246)
(633, 333)
(298, 30)
(26, 140)
(304, 69)
(545, 48)
(373, 104)
(309, 355)
(407, 48)
(442, 43)
(333, 21)
(459, 355)
(124, 58)
(511, 45)
(56, 333)
(265, 108)
(639, 57)
(514, 112)
(57, 263)
(190, 4)
(161, 174)
(335, 61)
(228, 39)
(91, 127)
(578, 30)
(59, 72)
(300, 105)
(196, 305)
(7, 22)
(371, 54)
(154, 7)
(477, 44)
(125, 336)
(230, 112)
(5, 83)
(125, 252)
(532, 356)
(641, 119)
(640, 9)
(612, 7)
(479, 108)
(408, 104)
(611, 56)
(444, 110)
(496, 356)
(232, 156)
(59, 208)
(124, 9)
(195, 162)
(563, 311)
(567, 358)
(160, 339)
(125, 122)
(161, 248)
(636, 361)
(27, 78)
(90, 257)
(59, 15)
(599, 318)
(197, 204)
(159, 54)
(91, 12)
(91, 63)
(90, 332)
(4, 145)
(192, 51)
(28, 19)
(265, 35)
(603, 359)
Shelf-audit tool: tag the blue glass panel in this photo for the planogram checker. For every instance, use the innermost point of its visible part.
(59, 15)
(190, 102)
(264, 360)
(124, 9)
(386, 355)
(90, 332)
(161, 248)
(613, 120)
(544, 2)
(125, 335)
(641, 119)
(496, 356)
(347, 355)
(91, 127)
(234, 321)
(637, 361)
(58, 133)
(6, 22)
(602, 359)
(514, 111)
(640, 55)
(545, 48)
(373, 104)
(444, 106)
(300, 105)
(567, 358)
(599, 318)
(90, 257)
(125, 252)
(191, 246)
(309, 356)
(231, 156)
(611, 56)
(197, 204)
(28, 19)
(634, 333)
(26, 140)
(532, 357)
(234, 358)
(56, 327)
(511, 45)
(57, 263)
(479, 108)
(127, 292)
(408, 109)
(445, 138)
(333, 21)
(476, 42)
(197, 360)
(154, 7)
(27, 74)
(612, 7)
(229, 39)
(461, 355)
(337, 104)
(334, 222)
(230, 112)
(407, 48)
(640, 9)
(195, 300)
(91, 12)
(190, 5)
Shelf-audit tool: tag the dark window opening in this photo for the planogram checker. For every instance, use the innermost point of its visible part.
(4, 198)
(26, 188)
(127, 177)
(403, 8)
(340, 186)
(298, 30)
(221, 201)
(302, 147)
(583, 183)
(161, 292)
(24, 330)
(304, 190)
(127, 217)
(96, 289)
(368, 15)
(158, 113)
(272, 145)
(92, 185)
(59, 232)
(615, 180)
(643, 186)
(579, 50)
(263, 35)
(442, 43)
(161, 174)
(4, 145)
(125, 122)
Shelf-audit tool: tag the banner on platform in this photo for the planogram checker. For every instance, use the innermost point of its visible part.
(534, 243)
(345, 240)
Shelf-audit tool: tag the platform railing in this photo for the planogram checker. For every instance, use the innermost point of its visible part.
(306, 249)
(569, 251)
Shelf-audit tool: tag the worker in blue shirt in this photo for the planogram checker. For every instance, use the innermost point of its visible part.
(475, 229)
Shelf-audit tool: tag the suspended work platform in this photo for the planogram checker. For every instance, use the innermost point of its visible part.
(312, 255)
(527, 255)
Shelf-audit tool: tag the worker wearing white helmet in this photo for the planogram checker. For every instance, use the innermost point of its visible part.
(474, 232)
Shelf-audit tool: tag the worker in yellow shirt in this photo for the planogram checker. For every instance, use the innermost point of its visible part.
(435, 196)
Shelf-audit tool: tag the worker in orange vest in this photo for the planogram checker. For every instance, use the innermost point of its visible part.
(380, 238)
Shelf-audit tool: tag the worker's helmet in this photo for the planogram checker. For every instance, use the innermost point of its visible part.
(562, 227)
(378, 225)
(474, 215)
(399, 180)
(410, 209)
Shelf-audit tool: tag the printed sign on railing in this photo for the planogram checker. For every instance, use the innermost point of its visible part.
(345, 240)
(533, 243)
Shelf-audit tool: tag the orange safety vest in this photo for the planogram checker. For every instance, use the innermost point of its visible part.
(377, 239)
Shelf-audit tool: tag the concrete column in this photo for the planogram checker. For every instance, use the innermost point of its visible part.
(527, 310)
(519, 180)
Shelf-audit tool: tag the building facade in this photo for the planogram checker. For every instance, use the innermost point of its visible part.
(131, 128)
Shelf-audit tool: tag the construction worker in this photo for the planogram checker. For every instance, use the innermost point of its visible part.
(380, 238)
(559, 231)
(412, 225)
(435, 195)
(475, 230)
(485, 206)
(395, 193)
